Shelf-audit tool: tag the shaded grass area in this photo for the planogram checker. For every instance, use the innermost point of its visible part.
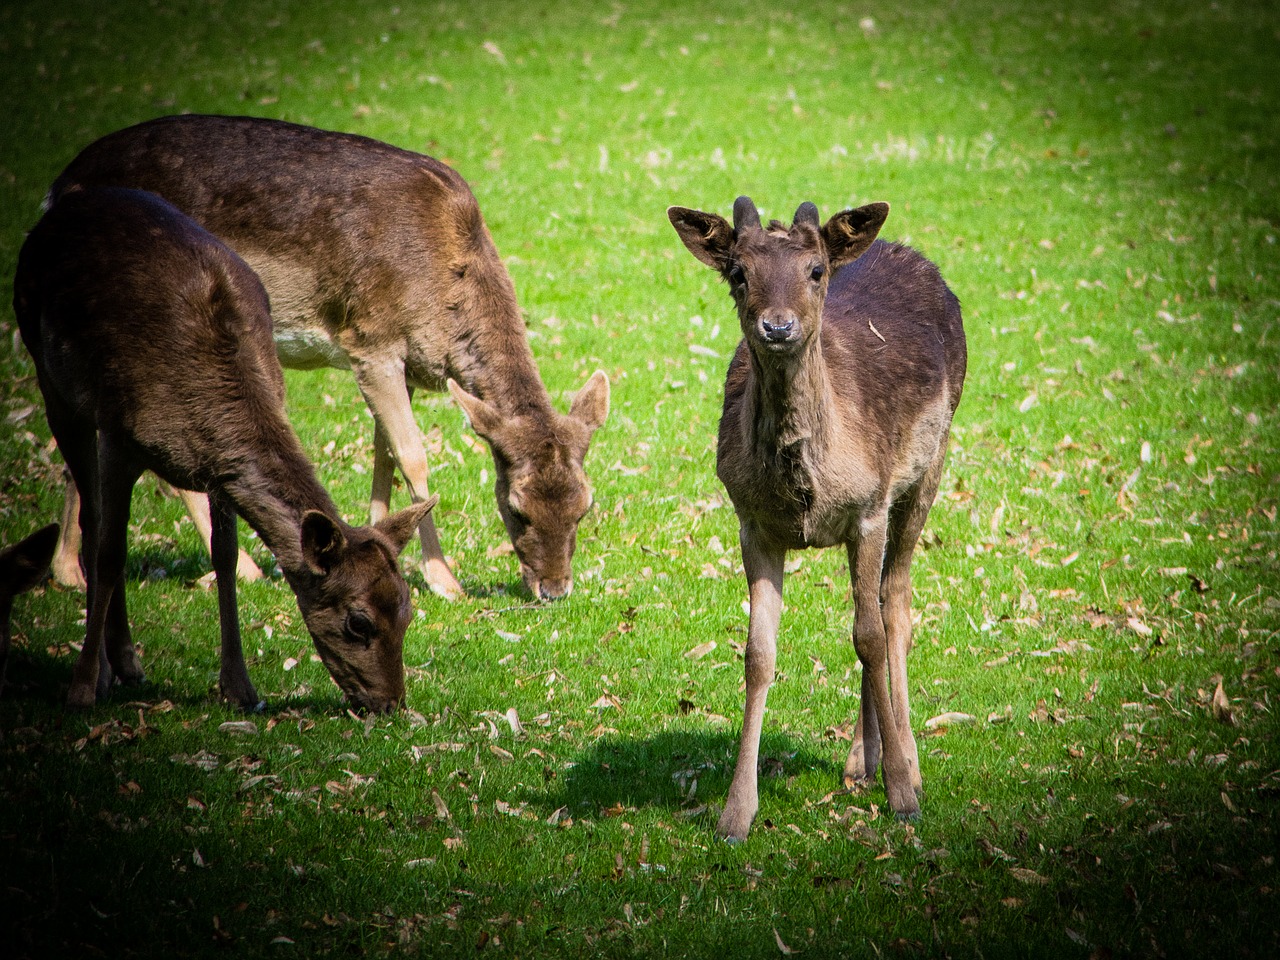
(1098, 185)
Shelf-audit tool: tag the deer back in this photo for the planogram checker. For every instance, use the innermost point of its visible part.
(358, 243)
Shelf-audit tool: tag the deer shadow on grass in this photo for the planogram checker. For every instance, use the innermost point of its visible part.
(678, 770)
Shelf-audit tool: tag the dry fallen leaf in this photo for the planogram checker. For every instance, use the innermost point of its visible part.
(948, 719)
(786, 950)
(700, 651)
(1024, 875)
(1222, 710)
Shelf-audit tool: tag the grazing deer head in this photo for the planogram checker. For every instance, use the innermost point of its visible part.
(542, 490)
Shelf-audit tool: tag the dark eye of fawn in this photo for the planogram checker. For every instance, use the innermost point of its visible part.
(738, 276)
(817, 273)
(359, 627)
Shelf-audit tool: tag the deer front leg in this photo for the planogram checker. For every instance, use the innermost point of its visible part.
(197, 505)
(764, 581)
(233, 678)
(866, 564)
(66, 555)
(387, 394)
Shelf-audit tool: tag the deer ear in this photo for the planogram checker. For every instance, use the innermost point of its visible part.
(849, 233)
(322, 542)
(707, 236)
(24, 565)
(399, 527)
(484, 419)
(591, 405)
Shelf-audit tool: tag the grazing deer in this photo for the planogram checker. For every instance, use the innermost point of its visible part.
(837, 411)
(378, 260)
(152, 346)
(22, 567)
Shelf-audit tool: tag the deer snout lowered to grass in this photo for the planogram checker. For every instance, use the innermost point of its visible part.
(378, 260)
(837, 412)
(153, 349)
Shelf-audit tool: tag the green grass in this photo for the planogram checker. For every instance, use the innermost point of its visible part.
(1099, 185)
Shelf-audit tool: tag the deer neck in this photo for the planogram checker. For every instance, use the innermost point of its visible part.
(272, 492)
(491, 357)
(790, 405)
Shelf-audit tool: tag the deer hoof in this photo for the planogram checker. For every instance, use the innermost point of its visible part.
(81, 698)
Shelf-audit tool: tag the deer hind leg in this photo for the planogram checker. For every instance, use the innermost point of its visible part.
(197, 505)
(866, 565)
(233, 678)
(396, 435)
(764, 580)
(864, 752)
(905, 525)
(66, 555)
(104, 519)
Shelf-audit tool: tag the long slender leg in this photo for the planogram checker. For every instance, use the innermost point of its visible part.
(197, 505)
(866, 564)
(106, 548)
(66, 556)
(383, 474)
(906, 523)
(387, 395)
(864, 753)
(233, 679)
(118, 638)
(763, 566)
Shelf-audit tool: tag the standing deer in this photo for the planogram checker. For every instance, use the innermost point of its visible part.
(22, 566)
(378, 260)
(152, 346)
(837, 411)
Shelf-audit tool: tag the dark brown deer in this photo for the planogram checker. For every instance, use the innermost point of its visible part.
(378, 260)
(22, 567)
(837, 412)
(153, 349)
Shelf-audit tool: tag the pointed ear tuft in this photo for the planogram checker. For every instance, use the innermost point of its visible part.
(849, 233)
(707, 236)
(323, 542)
(484, 419)
(399, 527)
(591, 405)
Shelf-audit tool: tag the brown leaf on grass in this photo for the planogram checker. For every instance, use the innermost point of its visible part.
(700, 651)
(1023, 875)
(948, 719)
(782, 947)
(1222, 709)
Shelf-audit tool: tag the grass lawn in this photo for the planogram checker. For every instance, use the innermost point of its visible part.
(1098, 588)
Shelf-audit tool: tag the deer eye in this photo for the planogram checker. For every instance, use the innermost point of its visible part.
(737, 276)
(817, 272)
(359, 628)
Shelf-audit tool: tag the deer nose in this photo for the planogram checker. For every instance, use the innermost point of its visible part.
(777, 329)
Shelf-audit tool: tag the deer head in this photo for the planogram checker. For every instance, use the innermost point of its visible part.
(356, 604)
(778, 276)
(541, 488)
